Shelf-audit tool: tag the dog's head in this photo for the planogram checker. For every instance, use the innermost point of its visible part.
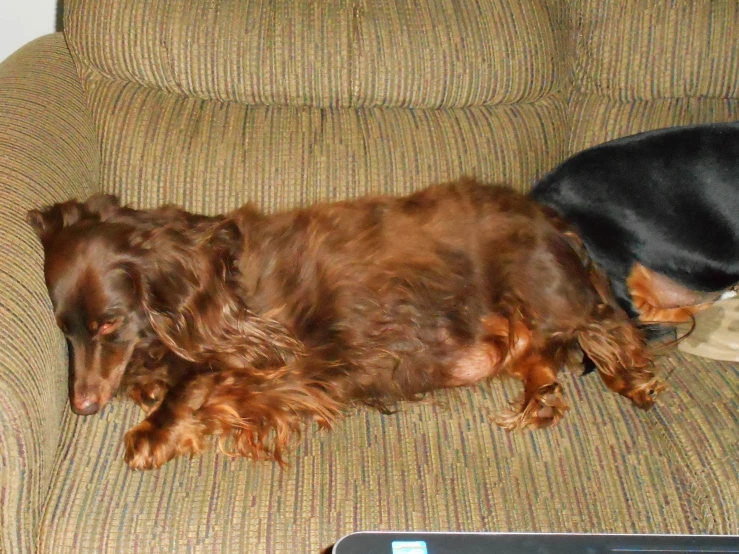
(131, 284)
(95, 293)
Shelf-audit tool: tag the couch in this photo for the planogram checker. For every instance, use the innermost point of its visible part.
(210, 103)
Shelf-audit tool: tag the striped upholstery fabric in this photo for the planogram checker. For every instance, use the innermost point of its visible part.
(642, 50)
(341, 53)
(596, 119)
(607, 467)
(209, 156)
(47, 154)
(210, 103)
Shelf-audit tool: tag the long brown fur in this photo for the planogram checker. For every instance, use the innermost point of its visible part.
(247, 325)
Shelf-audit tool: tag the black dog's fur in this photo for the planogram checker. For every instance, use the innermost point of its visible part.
(665, 199)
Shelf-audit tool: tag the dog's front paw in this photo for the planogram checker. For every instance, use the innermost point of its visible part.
(149, 395)
(148, 447)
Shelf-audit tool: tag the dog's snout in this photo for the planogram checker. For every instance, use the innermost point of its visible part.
(95, 374)
(85, 405)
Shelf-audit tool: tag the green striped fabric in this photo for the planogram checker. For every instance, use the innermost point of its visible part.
(209, 156)
(606, 467)
(596, 119)
(642, 49)
(47, 154)
(340, 53)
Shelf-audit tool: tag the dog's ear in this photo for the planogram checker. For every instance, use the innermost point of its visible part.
(194, 306)
(49, 221)
(103, 205)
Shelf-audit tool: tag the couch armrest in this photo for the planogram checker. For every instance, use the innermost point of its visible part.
(48, 152)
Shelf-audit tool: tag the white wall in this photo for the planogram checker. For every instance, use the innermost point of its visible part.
(21, 21)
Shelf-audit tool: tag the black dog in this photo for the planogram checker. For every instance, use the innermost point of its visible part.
(659, 212)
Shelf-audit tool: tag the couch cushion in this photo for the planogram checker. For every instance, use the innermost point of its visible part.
(596, 119)
(338, 53)
(641, 49)
(211, 156)
(607, 467)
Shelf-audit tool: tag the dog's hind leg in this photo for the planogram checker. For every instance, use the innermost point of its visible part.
(543, 403)
(620, 354)
(509, 343)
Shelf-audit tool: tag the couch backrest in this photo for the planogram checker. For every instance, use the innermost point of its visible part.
(210, 103)
(631, 50)
(646, 64)
(360, 53)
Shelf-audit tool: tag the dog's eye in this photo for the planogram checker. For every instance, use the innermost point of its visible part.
(108, 326)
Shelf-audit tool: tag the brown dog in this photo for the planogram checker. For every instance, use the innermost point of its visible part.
(245, 325)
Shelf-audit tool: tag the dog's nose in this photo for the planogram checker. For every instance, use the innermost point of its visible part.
(85, 406)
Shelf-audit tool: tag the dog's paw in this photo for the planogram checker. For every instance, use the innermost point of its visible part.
(644, 395)
(549, 405)
(545, 408)
(148, 447)
(149, 395)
